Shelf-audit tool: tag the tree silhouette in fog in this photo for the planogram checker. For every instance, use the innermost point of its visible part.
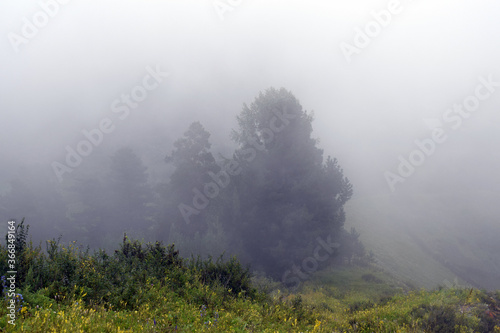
(130, 191)
(288, 196)
(282, 198)
(109, 203)
(192, 160)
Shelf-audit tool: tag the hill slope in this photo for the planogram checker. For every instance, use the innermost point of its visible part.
(432, 239)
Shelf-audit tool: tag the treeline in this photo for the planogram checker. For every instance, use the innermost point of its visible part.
(270, 202)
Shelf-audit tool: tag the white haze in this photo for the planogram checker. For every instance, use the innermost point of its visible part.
(367, 112)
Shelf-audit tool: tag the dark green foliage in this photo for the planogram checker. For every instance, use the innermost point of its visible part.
(287, 194)
(192, 160)
(298, 307)
(441, 319)
(437, 318)
(229, 274)
(270, 214)
(279, 198)
(123, 280)
(139, 276)
(361, 305)
(140, 263)
(490, 315)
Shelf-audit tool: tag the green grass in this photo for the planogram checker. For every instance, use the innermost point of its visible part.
(352, 284)
(149, 288)
(317, 308)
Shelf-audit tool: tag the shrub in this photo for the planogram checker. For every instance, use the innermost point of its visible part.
(229, 274)
(123, 280)
(360, 305)
(436, 318)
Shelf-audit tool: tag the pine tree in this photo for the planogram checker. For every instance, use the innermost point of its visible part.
(193, 161)
(288, 197)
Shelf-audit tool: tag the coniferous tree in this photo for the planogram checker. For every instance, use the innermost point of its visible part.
(288, 197)
(184, 195)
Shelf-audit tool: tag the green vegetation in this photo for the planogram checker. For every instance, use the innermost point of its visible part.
(271, 200)
(266, 197)
(277, 202)
(150, 288)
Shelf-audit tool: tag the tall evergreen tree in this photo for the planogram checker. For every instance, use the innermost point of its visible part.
(287, 196)
(193, 161)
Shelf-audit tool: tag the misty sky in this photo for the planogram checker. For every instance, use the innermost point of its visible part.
(367, 111)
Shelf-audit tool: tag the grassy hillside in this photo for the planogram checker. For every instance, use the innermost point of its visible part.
(432, 239)
(149, 288)
(317, 308)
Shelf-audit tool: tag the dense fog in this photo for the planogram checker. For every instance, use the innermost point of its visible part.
(405, 95)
